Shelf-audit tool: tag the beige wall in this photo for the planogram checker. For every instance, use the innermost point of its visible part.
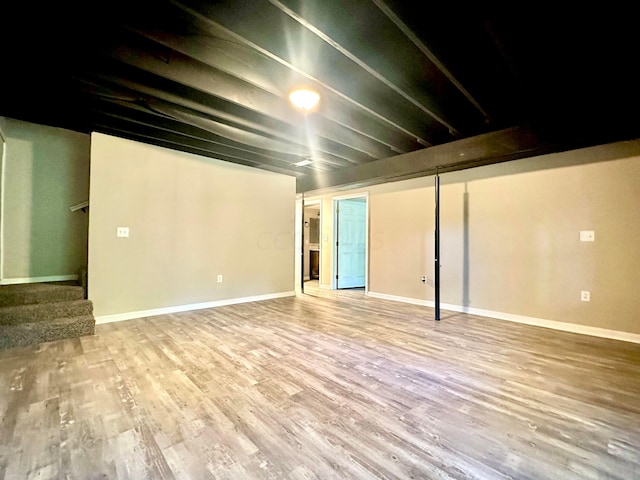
(514, 248)
(46, 170)
(190, 219)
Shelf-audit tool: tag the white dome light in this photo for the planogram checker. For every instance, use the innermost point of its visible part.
(304, 99)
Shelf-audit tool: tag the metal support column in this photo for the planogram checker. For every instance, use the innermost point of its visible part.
(437, 248)
(302, 248)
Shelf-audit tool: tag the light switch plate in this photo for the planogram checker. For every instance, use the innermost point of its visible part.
(122, 231)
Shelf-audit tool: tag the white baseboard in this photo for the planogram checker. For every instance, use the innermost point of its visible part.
(396, 298)
(118, 317)
(538, 322)
(53, 278)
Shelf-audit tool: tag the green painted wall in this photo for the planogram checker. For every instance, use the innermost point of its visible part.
(46, 170)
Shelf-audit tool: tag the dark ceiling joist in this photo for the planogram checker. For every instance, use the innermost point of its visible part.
(182, 69)
(381, 110)
(254, 68)
(220, 111)
(144, 122)
(404, 28)
(213, 78)
(362, 64)
(336, 129)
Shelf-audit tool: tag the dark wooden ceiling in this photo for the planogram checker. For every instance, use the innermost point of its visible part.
(395, 77)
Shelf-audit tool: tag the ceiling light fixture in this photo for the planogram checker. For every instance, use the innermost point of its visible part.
(305, 99)
(303, 163)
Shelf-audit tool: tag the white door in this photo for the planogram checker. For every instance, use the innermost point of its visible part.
(351, 226)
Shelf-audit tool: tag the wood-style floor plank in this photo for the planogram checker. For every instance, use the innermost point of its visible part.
(328, 385)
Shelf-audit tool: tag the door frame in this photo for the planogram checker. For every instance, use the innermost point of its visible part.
(334, 270)
(3, 154)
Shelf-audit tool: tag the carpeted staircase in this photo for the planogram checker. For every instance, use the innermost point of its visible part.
(42, 312)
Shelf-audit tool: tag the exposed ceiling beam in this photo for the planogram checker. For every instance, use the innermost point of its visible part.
(168, 127)
(489, 148)
(223, 112)
(404, 28)
(181, 69)
(379, 112)
(370, 70)
(253, 68)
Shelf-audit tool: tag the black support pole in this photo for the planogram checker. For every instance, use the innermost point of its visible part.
(437, 247)
(337, 217)
(302, 249)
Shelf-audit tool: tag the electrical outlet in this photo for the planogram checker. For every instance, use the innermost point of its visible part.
(219, 278)
(122, 231)
(587, 236)
(424, 279)
(585, 296)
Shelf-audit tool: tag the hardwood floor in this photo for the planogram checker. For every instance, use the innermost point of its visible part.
(328, 385)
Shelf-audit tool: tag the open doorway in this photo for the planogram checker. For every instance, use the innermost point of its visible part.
(312, 244)
(351, 245)
(2, 161)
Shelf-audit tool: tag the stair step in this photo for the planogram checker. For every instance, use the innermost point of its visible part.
(33, 333)
(37, 293)
(41, 312)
